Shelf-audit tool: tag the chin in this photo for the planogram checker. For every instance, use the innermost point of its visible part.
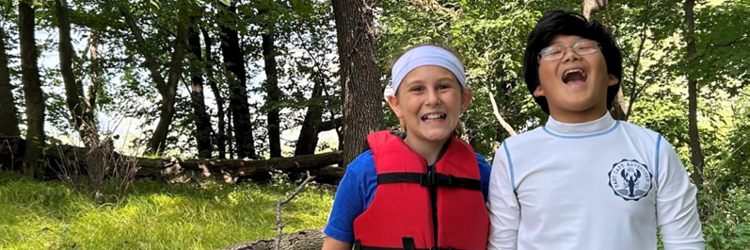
(575, 106)
(437, 136)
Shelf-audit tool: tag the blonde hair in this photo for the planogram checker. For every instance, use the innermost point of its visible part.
(459, 130)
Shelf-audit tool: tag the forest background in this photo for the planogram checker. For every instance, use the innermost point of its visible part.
(116, 116)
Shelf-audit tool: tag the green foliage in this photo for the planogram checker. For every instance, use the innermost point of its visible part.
(721, 62)
(735, 154)
(726, 218)
(48, 215)
(490, 36)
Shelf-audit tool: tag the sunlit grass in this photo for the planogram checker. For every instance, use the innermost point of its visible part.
(48, 215)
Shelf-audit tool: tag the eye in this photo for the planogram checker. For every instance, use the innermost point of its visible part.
(445, 86)
(553, 51)
(416, 89)
(586, 45)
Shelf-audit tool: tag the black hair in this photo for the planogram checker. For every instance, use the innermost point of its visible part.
(559, 22)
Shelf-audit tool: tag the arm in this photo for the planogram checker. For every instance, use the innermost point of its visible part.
(347, 205)
(334, 244)
(676, 211)
(484, 173)
(502, 204)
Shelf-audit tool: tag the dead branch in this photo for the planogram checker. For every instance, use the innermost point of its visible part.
(505, 125)
(280, 203)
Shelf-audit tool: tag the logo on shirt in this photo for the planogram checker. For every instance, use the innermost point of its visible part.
(630, 180)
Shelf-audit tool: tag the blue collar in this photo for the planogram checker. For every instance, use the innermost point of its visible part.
(600, 126)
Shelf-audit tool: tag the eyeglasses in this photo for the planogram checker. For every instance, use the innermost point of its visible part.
(581, 48)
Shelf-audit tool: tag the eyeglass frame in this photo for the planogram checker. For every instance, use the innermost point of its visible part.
(540, 57)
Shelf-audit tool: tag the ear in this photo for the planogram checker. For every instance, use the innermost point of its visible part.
(466, 97)
(612, 80)
(539, 92)
(393, 102)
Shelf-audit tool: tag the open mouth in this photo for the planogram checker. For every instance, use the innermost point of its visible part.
(574, 77)
(433, 117)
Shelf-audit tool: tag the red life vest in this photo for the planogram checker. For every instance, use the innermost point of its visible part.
(401, 214)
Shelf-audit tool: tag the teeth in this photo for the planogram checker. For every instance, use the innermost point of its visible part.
(574, 71)
(433, 116)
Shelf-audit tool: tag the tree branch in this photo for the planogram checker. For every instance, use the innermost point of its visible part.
(505, 125)
(280, 203)
(151, 63)
(331, 124)
(707, 49)
(635, 91)
(326, 79)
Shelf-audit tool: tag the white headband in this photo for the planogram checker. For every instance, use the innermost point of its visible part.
(421, 56)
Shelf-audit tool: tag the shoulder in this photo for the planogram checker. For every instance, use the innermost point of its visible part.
(484, 166)
(521, 140)
(363, 165)
(638, 132)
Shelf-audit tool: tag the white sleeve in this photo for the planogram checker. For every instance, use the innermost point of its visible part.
(502, 204)
(676, 210)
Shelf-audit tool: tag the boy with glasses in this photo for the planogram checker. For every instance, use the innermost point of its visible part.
(585, 180)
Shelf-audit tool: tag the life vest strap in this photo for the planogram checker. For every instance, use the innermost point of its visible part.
(431, 178)
(408, 245)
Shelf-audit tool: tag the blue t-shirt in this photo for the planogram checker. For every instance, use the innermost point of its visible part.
(357, 189)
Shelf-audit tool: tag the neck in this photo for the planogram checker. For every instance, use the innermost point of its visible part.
(427, 149)
(567, 116)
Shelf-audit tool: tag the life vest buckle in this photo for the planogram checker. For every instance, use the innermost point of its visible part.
(429, 179)
(432, 178)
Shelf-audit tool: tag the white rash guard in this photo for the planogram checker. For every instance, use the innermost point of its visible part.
(600, 185)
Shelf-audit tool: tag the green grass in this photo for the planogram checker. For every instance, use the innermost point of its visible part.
(48, 215)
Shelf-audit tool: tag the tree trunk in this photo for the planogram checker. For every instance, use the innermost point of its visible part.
(33, 91)
(237, 79)
(197, 102)
(308, 135)
(76, 100)
(209, 62)
(95, 71)
(230, 134)
(360, 75)
(618, 110)
(695, 143)
(9, 123)
(168, 89)
(273, 93)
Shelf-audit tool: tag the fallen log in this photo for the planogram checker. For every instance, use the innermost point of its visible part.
(302, 240)
(12, 149)
(242, 168)
(328, 175)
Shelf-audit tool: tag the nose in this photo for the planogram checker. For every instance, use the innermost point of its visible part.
(570, 55)
(432, 97)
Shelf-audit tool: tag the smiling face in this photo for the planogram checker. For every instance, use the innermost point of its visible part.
(429, 102)
(575, 86)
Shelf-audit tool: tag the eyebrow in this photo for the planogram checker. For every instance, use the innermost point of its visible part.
(579, 40)
(447, 78)
(409, 83)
